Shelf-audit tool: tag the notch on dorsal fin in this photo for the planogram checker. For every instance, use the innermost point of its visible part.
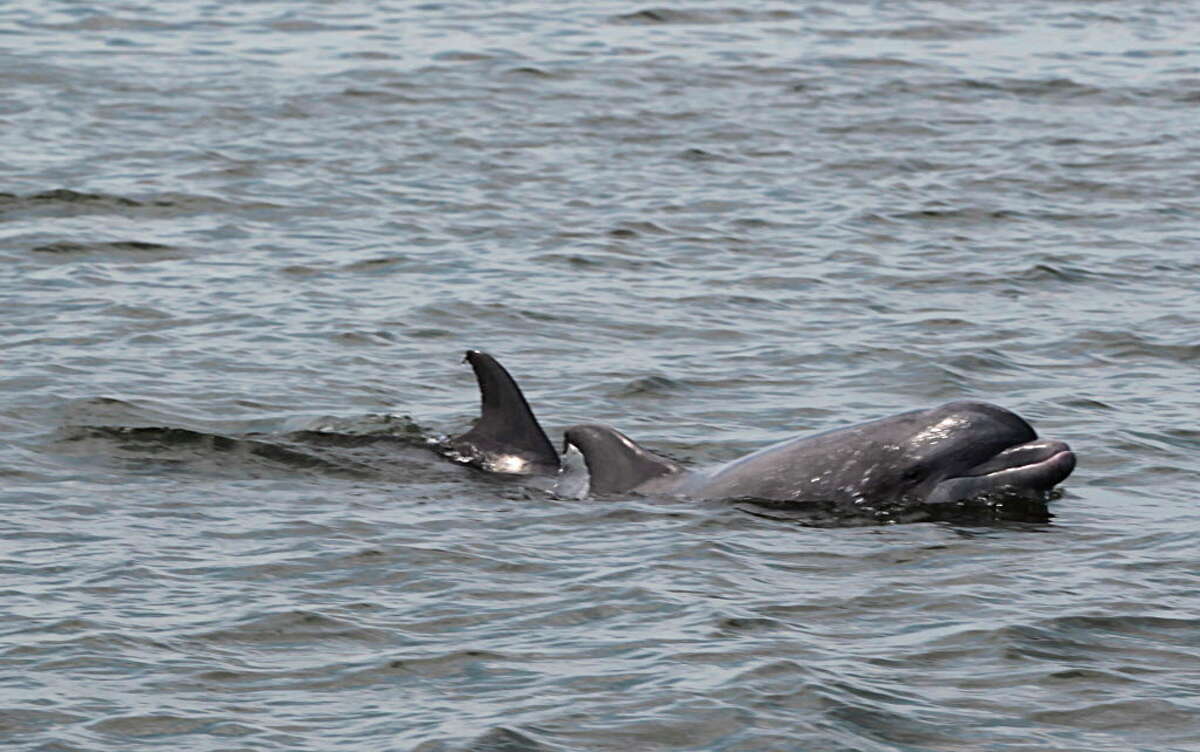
(615, 462)
(507, 437)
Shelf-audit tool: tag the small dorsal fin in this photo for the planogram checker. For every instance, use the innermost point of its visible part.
(507, 436)
(615, 462)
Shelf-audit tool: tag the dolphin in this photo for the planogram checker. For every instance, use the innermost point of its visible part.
(958, 451)
(507, 438)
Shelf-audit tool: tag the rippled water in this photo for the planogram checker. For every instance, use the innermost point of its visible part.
(245, 244)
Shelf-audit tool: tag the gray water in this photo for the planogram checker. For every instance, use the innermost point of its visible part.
(245, 244)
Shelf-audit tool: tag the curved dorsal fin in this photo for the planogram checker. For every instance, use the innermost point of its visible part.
(615, 462)
(507, 437)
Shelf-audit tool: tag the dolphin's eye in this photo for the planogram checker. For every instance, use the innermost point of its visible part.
(913, 474)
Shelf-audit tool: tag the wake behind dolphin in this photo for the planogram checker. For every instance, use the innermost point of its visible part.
(958, 451)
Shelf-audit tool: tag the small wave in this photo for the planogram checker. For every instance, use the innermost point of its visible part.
(15, 721)
(158, 725)
(945, 31)
(650, 386)
(295, 626)
(992, 509)
(695, 17)
(506, 739)
(200, 451)
(64, 202)
(124, 250)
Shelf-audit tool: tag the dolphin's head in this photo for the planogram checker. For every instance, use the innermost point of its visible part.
(965, 450)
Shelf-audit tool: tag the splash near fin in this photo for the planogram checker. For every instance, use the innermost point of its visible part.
(615, 462)
(507, 437)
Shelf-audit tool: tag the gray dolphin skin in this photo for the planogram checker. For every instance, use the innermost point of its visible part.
(959, 451)
(507, 438)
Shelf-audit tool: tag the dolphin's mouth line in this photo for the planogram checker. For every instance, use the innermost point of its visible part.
(1048, 463)
(1034, 458)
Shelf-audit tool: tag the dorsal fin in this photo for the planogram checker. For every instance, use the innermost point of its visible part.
(615, 462)
(507, 437)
